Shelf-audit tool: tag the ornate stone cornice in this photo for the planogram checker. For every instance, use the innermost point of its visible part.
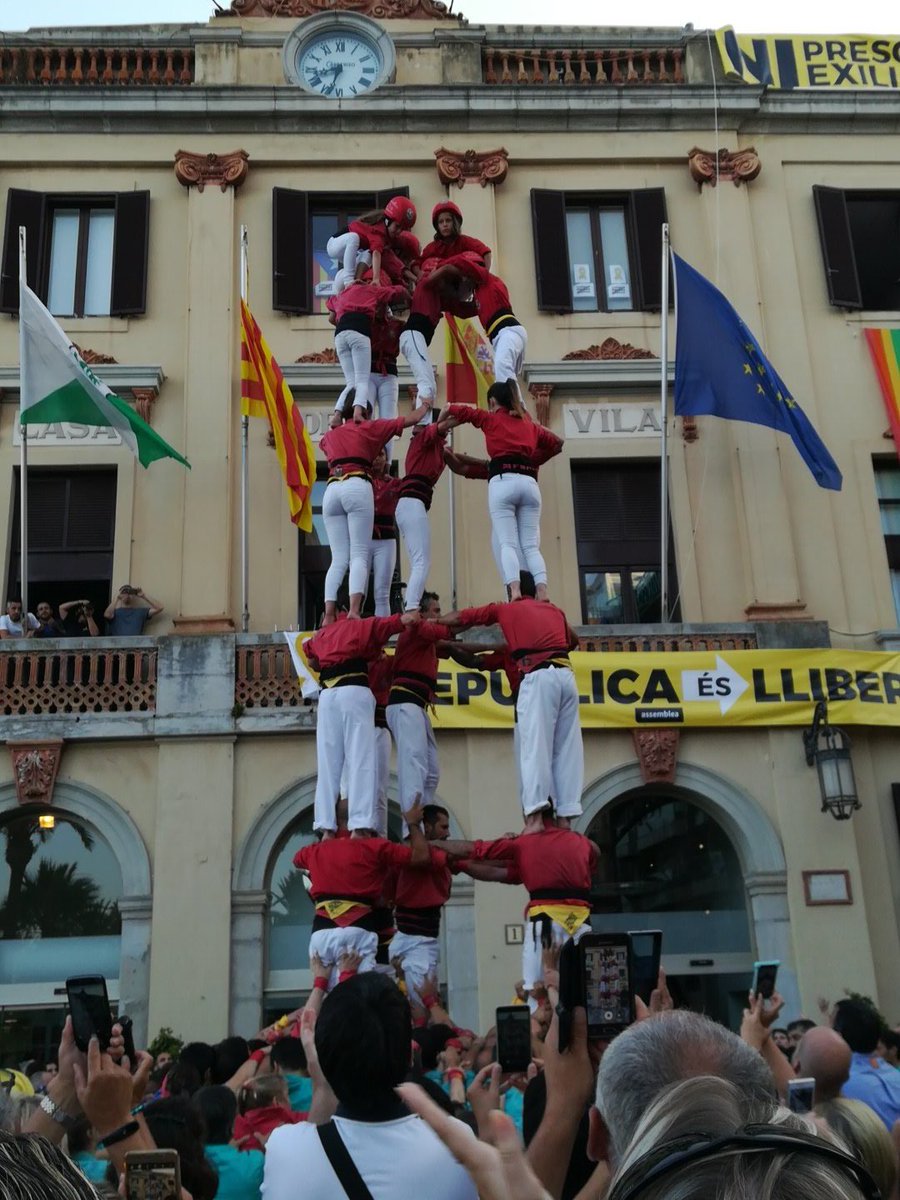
(740, 166)
(407, 10)
(327, 355)
(657, 753)
(542, 393)
(143, 402)
(484, 166)
(197, 170)
(94, 358)
(610, 349)
(35, 767)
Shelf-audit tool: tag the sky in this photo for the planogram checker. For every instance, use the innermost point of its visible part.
(747, 16)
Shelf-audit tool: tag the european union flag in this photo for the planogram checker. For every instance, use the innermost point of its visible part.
(721, 371)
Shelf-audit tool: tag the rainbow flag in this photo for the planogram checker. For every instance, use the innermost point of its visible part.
(884, 346)
(264, 393)
(469, 362)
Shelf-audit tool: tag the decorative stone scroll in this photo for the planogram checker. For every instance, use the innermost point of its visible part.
(610, 349)
(689, 430)
(657, 754)
(542, 393)
(408, 10)
(94, 358)
(35, 767)
(484, 167)
(143, 402)
(197, 170)
(740, 166)
(326, 357)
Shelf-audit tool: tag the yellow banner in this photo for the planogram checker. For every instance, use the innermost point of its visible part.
(810, 61)
(717, 688)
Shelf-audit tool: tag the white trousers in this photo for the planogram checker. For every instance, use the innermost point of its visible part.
(418, 957)
(386, 391)
(498, 558)
(514, 502)
(533, 951)
(349, 512)
(551, 756)
(330, 944)
(382, 778)
(354, 351)
(343, 248)
(414, 349)
(412, 521)
(417, 761)
(345, 733)
(509, 353)
(384, 559)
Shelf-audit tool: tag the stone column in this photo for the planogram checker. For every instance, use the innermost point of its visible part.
(134, 963)
(772, 925)
(210, 425)
(459, 939)
(248, 950)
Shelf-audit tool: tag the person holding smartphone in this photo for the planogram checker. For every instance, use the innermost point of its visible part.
(129, 612)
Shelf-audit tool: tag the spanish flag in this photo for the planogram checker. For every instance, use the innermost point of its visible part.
(264, 393)
(884, 346)
(470, 362)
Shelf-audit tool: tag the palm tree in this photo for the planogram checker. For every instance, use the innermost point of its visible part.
(292, 898)
(56, 902)
(20, 834)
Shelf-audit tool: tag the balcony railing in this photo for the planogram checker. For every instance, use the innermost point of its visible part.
(76, 677)
(647, 639)
(264, 678)
(96, 66)
(533, 66)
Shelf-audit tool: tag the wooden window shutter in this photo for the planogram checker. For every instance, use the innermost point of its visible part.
(381, 198)
(91, 515)
(647, 210)
(551, 250)
(28, 209)
(841, 276)
(291, 267)
(131, 244)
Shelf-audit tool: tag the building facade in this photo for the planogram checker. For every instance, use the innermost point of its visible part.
(181, 766)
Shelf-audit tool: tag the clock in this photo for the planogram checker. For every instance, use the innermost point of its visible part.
(339, 57)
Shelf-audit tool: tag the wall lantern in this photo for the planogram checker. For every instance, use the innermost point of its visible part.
(828, 748)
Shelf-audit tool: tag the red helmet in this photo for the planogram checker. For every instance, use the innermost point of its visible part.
(401, 210)
(445, 206)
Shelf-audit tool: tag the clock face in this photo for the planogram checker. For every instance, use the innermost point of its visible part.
(340, 64)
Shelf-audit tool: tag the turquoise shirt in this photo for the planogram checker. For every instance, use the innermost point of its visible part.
(300, 1091)
(240, 1172)
(91, 1168)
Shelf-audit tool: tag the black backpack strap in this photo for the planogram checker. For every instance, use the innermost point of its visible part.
(341, 1162)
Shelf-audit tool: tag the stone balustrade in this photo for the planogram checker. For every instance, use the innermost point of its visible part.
(77, 677)
(536, 65)
(96, 66)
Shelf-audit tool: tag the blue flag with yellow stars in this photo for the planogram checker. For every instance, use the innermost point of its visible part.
(721, 371)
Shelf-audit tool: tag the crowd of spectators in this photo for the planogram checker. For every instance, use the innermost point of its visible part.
(125, 616)
(361, 1094)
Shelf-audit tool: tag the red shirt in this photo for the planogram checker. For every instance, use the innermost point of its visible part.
(416, 658)
(493, 298)
(505, 434)
(344, 639)
(380, 671)
(387, 493)
(426, 299)
(425, 454)
(559, 860)
(386, 345)
(363, 441)
(351, 867)
(440, 248)
(366, 297)
(371, 237)
(502, 660)
(533, 625)
(425, 887)
(260, 1121)
(391, 265)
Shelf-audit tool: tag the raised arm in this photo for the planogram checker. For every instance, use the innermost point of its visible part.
(486, 872)
(65, 609)
(457, 848)
(110, 611)
(155, 606)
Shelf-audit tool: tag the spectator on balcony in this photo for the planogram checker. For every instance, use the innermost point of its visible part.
(12, 624)
(127, 615)
(77, 617)
(48, 626)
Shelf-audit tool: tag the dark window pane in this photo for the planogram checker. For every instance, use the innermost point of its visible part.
(841, 276)
(291, 273)
(875, 230)
(603, 604)
(130, 254)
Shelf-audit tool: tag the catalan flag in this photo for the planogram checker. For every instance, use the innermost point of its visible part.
(884, 346)
(470, 362)
(264, 393)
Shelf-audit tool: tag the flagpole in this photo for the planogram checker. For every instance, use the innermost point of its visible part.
(664, 440)
(23, 442)
(245, 463)
(452, 479)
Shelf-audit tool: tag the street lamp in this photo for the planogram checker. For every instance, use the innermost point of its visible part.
(828, 748)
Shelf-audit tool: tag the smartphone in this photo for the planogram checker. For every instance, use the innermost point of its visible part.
(801, 1095)
(152, 1175)
(764, 974)
(607, 971)
(646, 948)
(514, 1037)
(89, 1006)
(127, 1027)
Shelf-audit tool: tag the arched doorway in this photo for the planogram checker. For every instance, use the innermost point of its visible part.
(699, 860)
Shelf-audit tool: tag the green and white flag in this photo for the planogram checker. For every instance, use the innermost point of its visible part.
(57, 385)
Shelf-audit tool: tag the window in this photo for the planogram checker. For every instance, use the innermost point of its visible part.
(86, 255)
(860, 238)
(618, 543)
(887, 487)
(598, 252)
(71, 532)
(302, 223)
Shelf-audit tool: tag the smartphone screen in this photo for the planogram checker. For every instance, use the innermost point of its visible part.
(801, 1095)
(646, 948)
(608, 983)
(764, 975)
(514, 1037)
(152, 1175)
(89, 1006)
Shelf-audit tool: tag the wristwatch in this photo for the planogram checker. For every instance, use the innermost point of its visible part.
(56, 1113)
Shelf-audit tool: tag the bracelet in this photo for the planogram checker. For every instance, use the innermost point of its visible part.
(257, 1056)
(454, 1073)
(345, 975)
(320, 983)
(129, 1129)
(431, 1001)
(56, 1113)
